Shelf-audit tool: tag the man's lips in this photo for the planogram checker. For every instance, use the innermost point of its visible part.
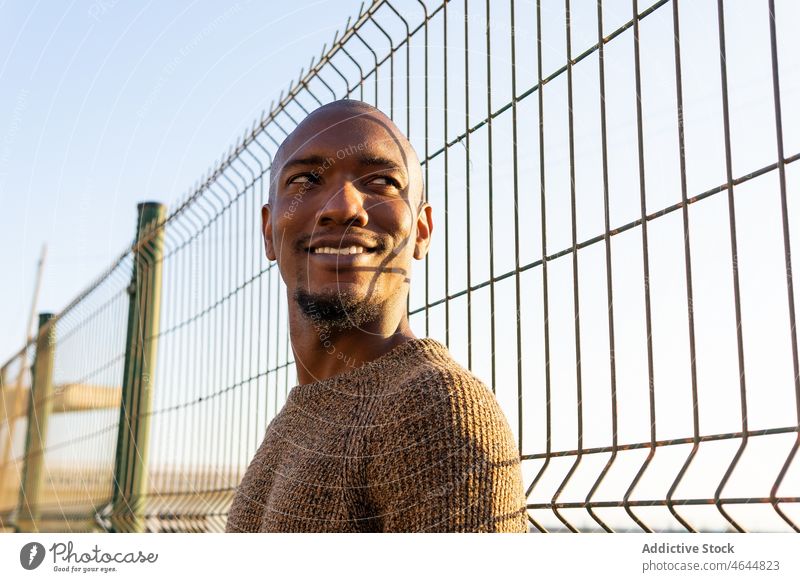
(334, 252)
(341, 246)
(338, 263)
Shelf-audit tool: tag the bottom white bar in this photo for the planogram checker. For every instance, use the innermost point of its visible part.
(229, 557)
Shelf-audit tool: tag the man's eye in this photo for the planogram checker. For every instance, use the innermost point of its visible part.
(385, 181)
(303, 179)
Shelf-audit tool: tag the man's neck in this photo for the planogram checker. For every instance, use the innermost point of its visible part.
(321, 354)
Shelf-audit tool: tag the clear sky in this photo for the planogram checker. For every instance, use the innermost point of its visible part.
(106, 103)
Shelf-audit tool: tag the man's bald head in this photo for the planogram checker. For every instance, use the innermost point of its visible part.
(350, 122)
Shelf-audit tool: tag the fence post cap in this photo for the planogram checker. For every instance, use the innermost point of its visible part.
(44, 317)
(149, 204)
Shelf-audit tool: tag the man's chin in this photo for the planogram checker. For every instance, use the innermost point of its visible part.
(341, 307)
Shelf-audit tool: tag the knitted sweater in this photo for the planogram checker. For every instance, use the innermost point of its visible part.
(408, 442)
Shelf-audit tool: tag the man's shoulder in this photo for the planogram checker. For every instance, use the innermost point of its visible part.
(440, 408)
(440, 384)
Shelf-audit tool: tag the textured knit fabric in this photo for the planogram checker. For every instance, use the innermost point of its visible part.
(408, 442)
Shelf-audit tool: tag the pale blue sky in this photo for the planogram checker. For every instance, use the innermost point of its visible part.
(106, 103)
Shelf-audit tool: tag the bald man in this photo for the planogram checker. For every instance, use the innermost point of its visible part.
(384, 432)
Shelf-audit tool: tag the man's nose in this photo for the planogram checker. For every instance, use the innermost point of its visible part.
(344, 206)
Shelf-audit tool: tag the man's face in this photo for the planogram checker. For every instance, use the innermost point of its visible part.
(346, 218)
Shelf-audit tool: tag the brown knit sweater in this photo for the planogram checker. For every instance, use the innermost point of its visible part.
(408, 442)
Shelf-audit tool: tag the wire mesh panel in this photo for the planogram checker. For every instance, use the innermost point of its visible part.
(665, 364)
(77, 468)
(15, 383)
(82, 431)
(612, 191)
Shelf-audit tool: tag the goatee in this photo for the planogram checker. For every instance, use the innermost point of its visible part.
(337, 310)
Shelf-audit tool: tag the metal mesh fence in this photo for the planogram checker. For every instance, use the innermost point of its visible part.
(15, 380)
(78, 462)
(612, 189)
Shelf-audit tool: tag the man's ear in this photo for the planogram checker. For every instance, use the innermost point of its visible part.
(424, 230)
(266, 231)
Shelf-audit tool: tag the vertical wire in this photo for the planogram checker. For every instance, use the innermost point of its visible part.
(184, 408)
(204, 349)
(467, 184)
(216, 391)
(230, 354)
(259, 265)
(170, 353)
(89, 453)
(113, 485)
(197, 479)
(179, 396)
(408, 121)
(545, 299)
(408, 79)
(84, 373)
(286, 358)
(688, 262)
(234, 387)
(735, 268)
(646, 269)
(776, 91)
(213, 354)
(66, 499)
(205, 400)
(427, 176)
(609, 278)
(391, 77)
(105, 476)
(172, 335)
(377, 69)
(267, 345)
(202, 401)
(492, 332)
(575, 282)
(188, 404)
(254, 272)
(244, 427)
(515, 160)
(219, 367)
(212, 401)
(446, 190)
(180, 412)
(180, 390)
(87, 467)
(277, 337)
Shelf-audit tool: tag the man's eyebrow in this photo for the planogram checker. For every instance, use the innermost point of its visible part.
(307, 161)
(368, 160)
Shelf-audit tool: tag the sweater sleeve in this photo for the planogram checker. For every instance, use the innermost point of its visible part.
(442, 458)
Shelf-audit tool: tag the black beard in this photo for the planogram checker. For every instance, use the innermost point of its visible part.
(338, 311)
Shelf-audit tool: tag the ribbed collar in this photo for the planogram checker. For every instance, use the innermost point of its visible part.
(354, 381)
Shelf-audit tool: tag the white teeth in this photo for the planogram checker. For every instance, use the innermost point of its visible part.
(354, 250)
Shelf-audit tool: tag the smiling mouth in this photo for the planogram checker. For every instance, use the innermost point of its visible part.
(352, 250)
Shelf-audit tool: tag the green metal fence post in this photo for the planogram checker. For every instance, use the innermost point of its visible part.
(130, 472)
(40, 404)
